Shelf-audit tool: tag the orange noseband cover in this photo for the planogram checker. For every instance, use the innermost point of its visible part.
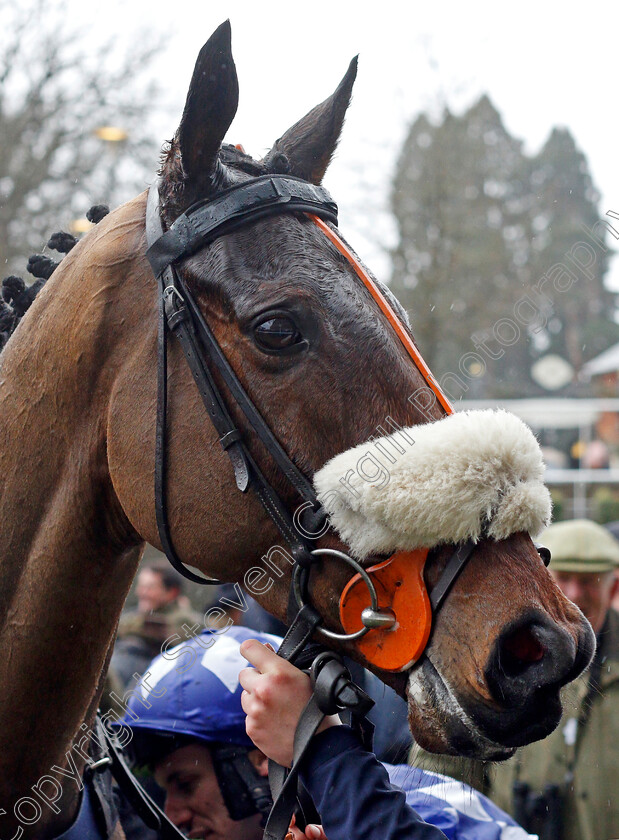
(401, 590)
(399, 580)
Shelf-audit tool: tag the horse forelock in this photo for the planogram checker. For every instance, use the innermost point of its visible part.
(231, 167)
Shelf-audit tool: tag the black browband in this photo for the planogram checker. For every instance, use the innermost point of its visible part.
(207, 220)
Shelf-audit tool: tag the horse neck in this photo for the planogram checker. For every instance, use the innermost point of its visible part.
(67, 553)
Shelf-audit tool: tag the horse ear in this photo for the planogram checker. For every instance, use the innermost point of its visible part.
(211, 104)
(309, 145)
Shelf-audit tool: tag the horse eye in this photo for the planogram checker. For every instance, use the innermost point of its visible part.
(277, 333)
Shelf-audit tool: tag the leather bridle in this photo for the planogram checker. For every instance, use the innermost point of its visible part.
(179, 314)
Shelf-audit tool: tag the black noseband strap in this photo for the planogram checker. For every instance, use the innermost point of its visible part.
(207, 220)
(455, 565)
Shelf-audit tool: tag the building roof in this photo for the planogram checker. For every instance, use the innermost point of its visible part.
(549, 412)
(606, 362)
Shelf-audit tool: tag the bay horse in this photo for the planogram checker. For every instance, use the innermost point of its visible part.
(324, 367)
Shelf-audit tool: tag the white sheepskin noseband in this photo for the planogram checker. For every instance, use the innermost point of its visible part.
(472, 474)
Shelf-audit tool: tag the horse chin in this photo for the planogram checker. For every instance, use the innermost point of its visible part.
(438, 722)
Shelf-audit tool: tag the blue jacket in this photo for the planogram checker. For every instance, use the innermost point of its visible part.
(85, 827)
(356, 797)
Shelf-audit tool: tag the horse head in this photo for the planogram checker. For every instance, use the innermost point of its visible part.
(328, 372)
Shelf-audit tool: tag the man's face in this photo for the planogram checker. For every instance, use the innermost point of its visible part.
(151, 593)
(193, 800)
(592, 592)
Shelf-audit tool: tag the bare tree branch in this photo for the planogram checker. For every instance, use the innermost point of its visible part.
(57, 86)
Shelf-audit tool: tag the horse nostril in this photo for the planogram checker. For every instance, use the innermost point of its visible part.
(534, 653)
(518, 650)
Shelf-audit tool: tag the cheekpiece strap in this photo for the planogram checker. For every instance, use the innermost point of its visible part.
(207, 220)
(179, 314)
(455, 565)
(153, 230)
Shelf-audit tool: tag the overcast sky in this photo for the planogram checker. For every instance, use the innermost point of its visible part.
(543, 64)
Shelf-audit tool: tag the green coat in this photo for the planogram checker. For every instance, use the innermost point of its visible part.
(153, 628)
(591, 802)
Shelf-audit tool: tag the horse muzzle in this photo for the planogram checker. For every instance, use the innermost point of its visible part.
(535, 653)
(531, 660)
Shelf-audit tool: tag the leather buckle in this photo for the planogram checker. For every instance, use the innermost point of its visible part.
(333, 686)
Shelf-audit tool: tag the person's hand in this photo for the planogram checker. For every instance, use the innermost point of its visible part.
(312, 832)
(275, 695)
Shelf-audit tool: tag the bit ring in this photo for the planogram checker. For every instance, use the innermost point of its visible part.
(332, 552)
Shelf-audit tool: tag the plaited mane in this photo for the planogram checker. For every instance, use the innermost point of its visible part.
(17, 297)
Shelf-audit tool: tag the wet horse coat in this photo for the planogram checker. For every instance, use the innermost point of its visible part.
(77, 416)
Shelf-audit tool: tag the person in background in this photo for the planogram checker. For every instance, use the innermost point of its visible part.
(613, 527)
(160, 613)
(187, 727)
(566, 786)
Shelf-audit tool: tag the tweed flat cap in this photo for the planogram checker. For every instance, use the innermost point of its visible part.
(580, 546)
